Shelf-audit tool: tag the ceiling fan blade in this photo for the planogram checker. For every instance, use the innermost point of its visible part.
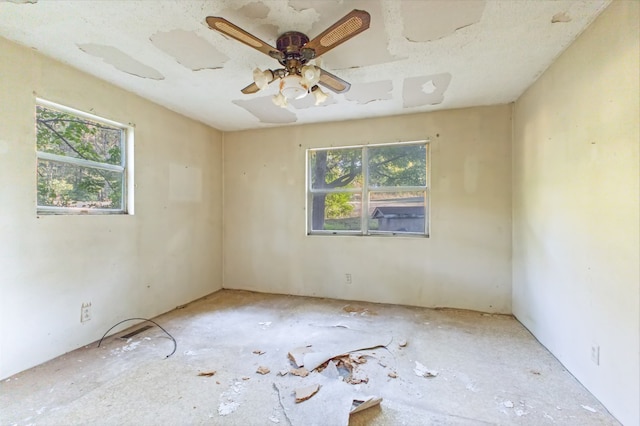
(333, 83)
(234, 31)
(352, 24)
(252, 88)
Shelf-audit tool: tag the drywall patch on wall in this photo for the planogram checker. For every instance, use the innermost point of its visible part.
(185, 183)
(426, 90)
(365, 93)
(435, 19)
(189, 49)
(120, 60)
(264, 109)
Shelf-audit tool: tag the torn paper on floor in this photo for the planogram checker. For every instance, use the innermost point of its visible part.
(339, 341)
(362, 403)
(332, 404)
(304, 393)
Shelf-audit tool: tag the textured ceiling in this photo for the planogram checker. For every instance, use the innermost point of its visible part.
(418, 55)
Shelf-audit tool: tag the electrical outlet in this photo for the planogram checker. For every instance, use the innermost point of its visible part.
(85, 312)
(347, 278)
(595, 354)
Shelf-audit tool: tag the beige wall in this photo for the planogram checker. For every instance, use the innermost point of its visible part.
(167, 254)
(466, 263)
(576, 281)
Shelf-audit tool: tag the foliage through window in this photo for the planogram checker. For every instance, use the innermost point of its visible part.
(368, 190)
(82, 162)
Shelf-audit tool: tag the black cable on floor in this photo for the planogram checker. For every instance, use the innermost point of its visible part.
(175, 344)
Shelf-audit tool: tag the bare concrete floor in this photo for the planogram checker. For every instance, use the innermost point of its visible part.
(488, 370)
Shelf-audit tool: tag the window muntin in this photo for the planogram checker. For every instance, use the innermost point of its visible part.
(368, 190)
(82, 162)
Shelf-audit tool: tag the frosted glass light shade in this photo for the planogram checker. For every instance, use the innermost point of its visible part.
(290, 87)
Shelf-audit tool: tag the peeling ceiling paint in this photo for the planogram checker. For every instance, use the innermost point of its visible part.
(121, 60)
(427, 90)
(189, 49)
(435, 19)
(369, 48)
(370, 92)
(264, 110)
(416, 45)
(255, 10)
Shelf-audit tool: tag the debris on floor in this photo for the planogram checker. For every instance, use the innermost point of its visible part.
(302, 372)
(344, 341)
(207, 373)
(297, 355)
(423, 371)
(231, 399)
(331, 371)
(508, 404)
(259, 352)
(263, 370)
(402, 343)
(586, 407)
(302, 394)
(392, 374)
(358, 310)
(361, 404)
(283, 372)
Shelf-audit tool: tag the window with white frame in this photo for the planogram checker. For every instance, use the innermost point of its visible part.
(368, 190)
(83, 162)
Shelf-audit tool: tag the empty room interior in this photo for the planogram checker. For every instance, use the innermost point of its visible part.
(319, 212)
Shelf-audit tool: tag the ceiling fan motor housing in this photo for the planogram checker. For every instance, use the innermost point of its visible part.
(291, 45)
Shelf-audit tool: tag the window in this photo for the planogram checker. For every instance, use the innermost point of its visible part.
(368, 190)
(84, 162)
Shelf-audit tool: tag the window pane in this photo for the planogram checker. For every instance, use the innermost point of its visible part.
(401, 165)
(336, 212)
(336, 168)
(68, 185)
(72, 136)
(397, 212)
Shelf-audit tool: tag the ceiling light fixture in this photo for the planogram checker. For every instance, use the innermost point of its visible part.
(262, 78)
(319, 95)
(294, 86)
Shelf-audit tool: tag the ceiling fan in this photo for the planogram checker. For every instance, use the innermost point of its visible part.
(293, 51)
